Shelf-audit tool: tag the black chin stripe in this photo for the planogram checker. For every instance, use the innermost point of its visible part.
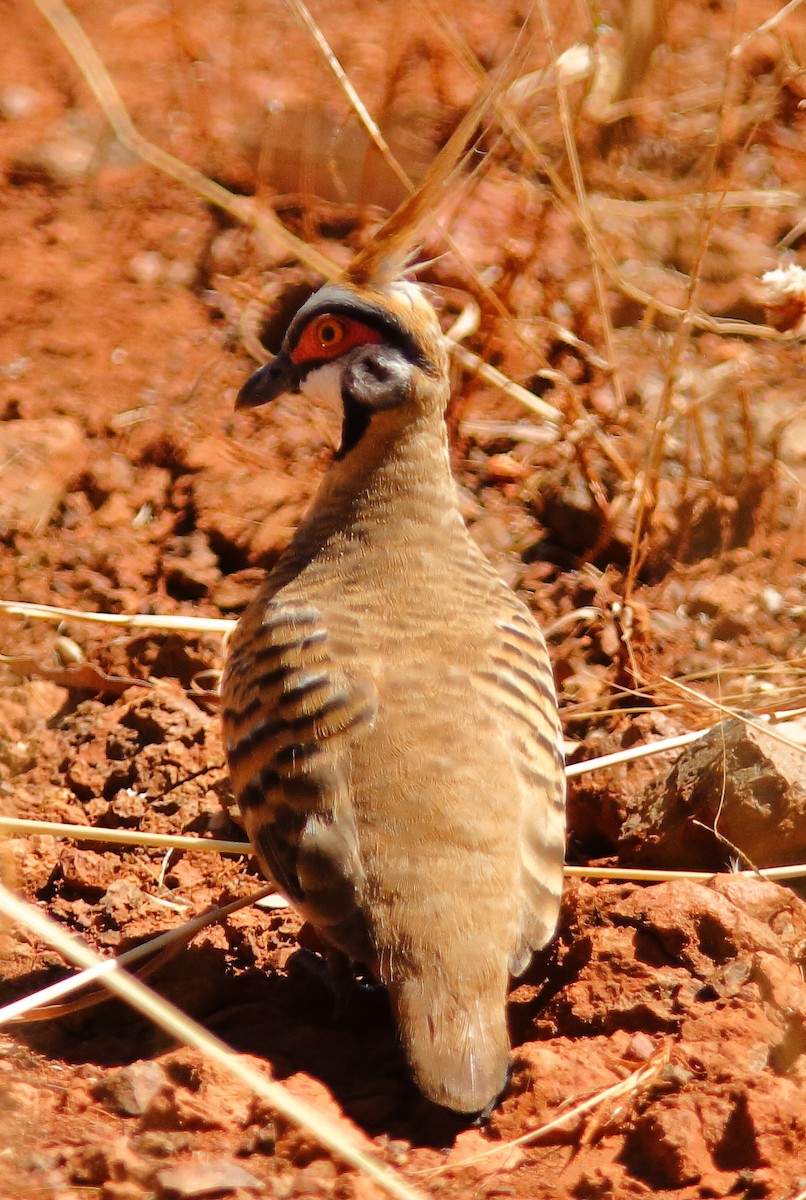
(354, 426)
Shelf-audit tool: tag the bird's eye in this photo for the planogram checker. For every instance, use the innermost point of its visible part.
(329, 337)
(329, 332)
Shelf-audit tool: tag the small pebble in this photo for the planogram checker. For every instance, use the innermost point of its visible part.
(771, 601)
(640, 1048)
(131, 1090)
(18, 101)
(147, 267)
(199, 1178)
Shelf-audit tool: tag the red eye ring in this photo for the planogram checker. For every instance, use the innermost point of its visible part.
(330, 336)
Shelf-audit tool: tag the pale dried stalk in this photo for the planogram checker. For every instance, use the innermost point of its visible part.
(765, 27)
(323, 46)
(472, 362)
(47, 612)
(89, 62)
(29, 1006)
(766, 727)
(638, 210)
(622, 756)
(122, 837)
(583, 205)
(657, 875)
(129, 837)
(650, 475)
(241, 208)
(464, 326)
(190, 1033)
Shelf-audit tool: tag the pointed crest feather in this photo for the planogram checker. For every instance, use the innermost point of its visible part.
(394, 244)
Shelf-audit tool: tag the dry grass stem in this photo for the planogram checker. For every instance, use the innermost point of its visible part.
(624, 756)
(323, 46)
(47, 612)
(123, 837)
(466, 325)
(541, 408)
(765, 27)
(653, 875)
(190, 1033)
(244, 210)
(42, 1005)
(762, 726)
(583, 207)
(639, 210)
(133, 837)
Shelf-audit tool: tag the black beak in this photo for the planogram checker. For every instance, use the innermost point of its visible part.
(270, 381)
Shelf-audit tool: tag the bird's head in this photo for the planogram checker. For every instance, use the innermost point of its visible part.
(376, 351)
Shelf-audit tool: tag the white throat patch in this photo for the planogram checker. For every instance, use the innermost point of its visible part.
(324, 385)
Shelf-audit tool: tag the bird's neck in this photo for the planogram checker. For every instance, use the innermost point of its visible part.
(392, 480)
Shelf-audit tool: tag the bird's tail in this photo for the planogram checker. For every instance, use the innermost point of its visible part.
(457, 1047)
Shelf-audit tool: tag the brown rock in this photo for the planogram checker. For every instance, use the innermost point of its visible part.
(666, 1146)
(210, 1177)
(740, 779)
(85, 873)
(480, 1158)
(296, 1143)
(132, 1090)
(190, 566)
(41, 459)
(123, 1189)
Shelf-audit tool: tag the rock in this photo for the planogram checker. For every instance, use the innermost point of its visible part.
(726, 601)
(718, 965)
(18, 1097)
(544, 1078)
(147, 267)
(640, 1048)
(124, 1189)
(771, 601)
(492, 1159)
(361, 1188)
(18, 101)
(190, 566)
(211, 1177)
(666, 1146)
(89, 1165)
(75, 146)
(132, 1090)
(41, 460)
(84, 873)
(594, 1184)
(64, 157)
(741, 779)
(233, 592)
(260, 1139)
(314, 1181)
(298, 1144)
